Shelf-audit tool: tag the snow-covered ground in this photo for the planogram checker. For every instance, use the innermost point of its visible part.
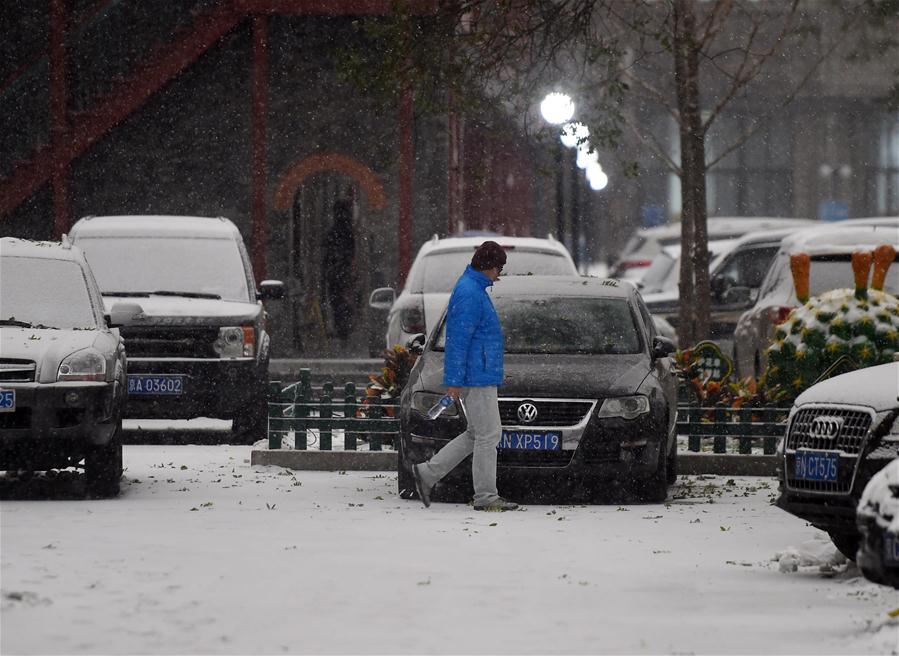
(204, 554)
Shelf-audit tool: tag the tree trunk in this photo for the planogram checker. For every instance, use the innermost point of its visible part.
(693, 322)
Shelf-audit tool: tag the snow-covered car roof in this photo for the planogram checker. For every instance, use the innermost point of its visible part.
(563, 286)
(52, 250)
(840, 239)
(197, 227)
(729, 225)
(436, 244)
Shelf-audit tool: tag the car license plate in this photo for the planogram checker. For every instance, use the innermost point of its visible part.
(816, 466)
(531, 441)
(890, 550)
(155, 384)
(7, 400)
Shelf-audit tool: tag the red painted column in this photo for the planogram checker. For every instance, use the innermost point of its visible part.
(62, 211)
(404, 234)
(260, 164)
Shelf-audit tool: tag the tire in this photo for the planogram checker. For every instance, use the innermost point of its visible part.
(405, 483)
(251, 426)
(671, 465)
(653, 489)
(103, 467)
(846, 543)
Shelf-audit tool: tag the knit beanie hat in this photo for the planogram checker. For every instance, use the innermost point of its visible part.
(488, 255)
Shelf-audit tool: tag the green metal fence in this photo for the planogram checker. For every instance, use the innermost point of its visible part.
(722, 426)
(315, 414)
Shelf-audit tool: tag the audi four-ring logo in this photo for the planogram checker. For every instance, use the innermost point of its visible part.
(527, 412)
(826, 427)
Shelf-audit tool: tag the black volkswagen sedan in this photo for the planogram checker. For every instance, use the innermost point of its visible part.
(588, 404)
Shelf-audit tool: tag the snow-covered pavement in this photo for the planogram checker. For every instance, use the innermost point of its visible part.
(204, 554)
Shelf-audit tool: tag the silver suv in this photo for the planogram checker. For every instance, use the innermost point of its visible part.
(62, 365)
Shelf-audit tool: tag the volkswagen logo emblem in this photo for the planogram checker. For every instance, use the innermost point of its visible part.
(527, 412)
(826, 427)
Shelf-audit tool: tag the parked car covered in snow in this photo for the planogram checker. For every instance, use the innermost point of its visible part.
(877, 517)
(200, 347)
(640, 250)
(588, 403)
(437, 267)
(62, 365)
(840, 433)
(830, 249)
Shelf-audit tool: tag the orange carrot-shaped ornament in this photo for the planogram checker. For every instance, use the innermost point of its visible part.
(861, 267)
(800, 264)
(883, 258)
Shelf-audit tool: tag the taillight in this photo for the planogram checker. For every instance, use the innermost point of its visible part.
(412, 319)
(778, 314)
(634, 264)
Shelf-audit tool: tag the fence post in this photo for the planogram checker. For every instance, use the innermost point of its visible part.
(770, 443)
(349, 412)
(301, 410)
(746, 425)
(720, 443)
(275, 409)
(377, 412)
(694, 441)
(325, 412)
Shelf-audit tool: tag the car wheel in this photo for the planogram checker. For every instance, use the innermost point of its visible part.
(846, 543)
(405, 483)
(671, 465)
(251, 426)
(103, 467)
(655, 488)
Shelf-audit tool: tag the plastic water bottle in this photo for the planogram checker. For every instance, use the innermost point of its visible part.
(441, 405)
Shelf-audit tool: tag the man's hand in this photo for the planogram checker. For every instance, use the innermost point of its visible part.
(454, 392)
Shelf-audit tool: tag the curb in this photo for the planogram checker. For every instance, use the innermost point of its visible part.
(687, 463)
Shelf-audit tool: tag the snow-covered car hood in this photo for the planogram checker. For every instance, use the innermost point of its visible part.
(180, 310)
(563, 376)
(48, 347)
(875, 387)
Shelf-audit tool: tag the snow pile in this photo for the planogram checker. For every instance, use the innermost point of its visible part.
(818, 553)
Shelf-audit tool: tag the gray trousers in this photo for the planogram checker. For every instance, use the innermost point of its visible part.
(480, 439)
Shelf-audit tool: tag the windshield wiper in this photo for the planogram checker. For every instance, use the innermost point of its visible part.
(164, 292)
(25, 324)
(126, 293)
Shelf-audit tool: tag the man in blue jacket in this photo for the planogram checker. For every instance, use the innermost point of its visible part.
(473, 368)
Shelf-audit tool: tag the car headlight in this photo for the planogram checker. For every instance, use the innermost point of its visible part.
(626, 407)
(86, 364)
(424, 401)
(235, 342)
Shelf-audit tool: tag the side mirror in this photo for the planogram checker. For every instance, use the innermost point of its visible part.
(382, 298)
(662, 347)
(270, 290)
(737, 296)
(416, 343)
(122, 314)
(718, 285)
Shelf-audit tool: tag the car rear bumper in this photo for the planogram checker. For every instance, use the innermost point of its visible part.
(211, 388)
(55, 421)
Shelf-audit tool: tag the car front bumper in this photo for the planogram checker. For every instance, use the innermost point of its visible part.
(53, 422)
(211, 388)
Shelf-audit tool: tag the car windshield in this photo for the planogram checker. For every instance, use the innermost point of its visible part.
(194, 267)
(657, 275)
(41, 292)
(574, 325)
(441, 270)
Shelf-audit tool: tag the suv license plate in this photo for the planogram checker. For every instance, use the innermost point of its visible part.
(816, 466)
(155, 384)
(890, 550)
(531, 440)
(7, 400)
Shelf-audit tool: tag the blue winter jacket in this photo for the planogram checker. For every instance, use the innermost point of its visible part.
(474, 337)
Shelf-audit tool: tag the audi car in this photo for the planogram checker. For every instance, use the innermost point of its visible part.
(588, 402)
(840, 433)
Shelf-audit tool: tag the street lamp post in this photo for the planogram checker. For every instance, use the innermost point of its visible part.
(557, 109)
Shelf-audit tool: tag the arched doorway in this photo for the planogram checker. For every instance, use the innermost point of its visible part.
(329, 202)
